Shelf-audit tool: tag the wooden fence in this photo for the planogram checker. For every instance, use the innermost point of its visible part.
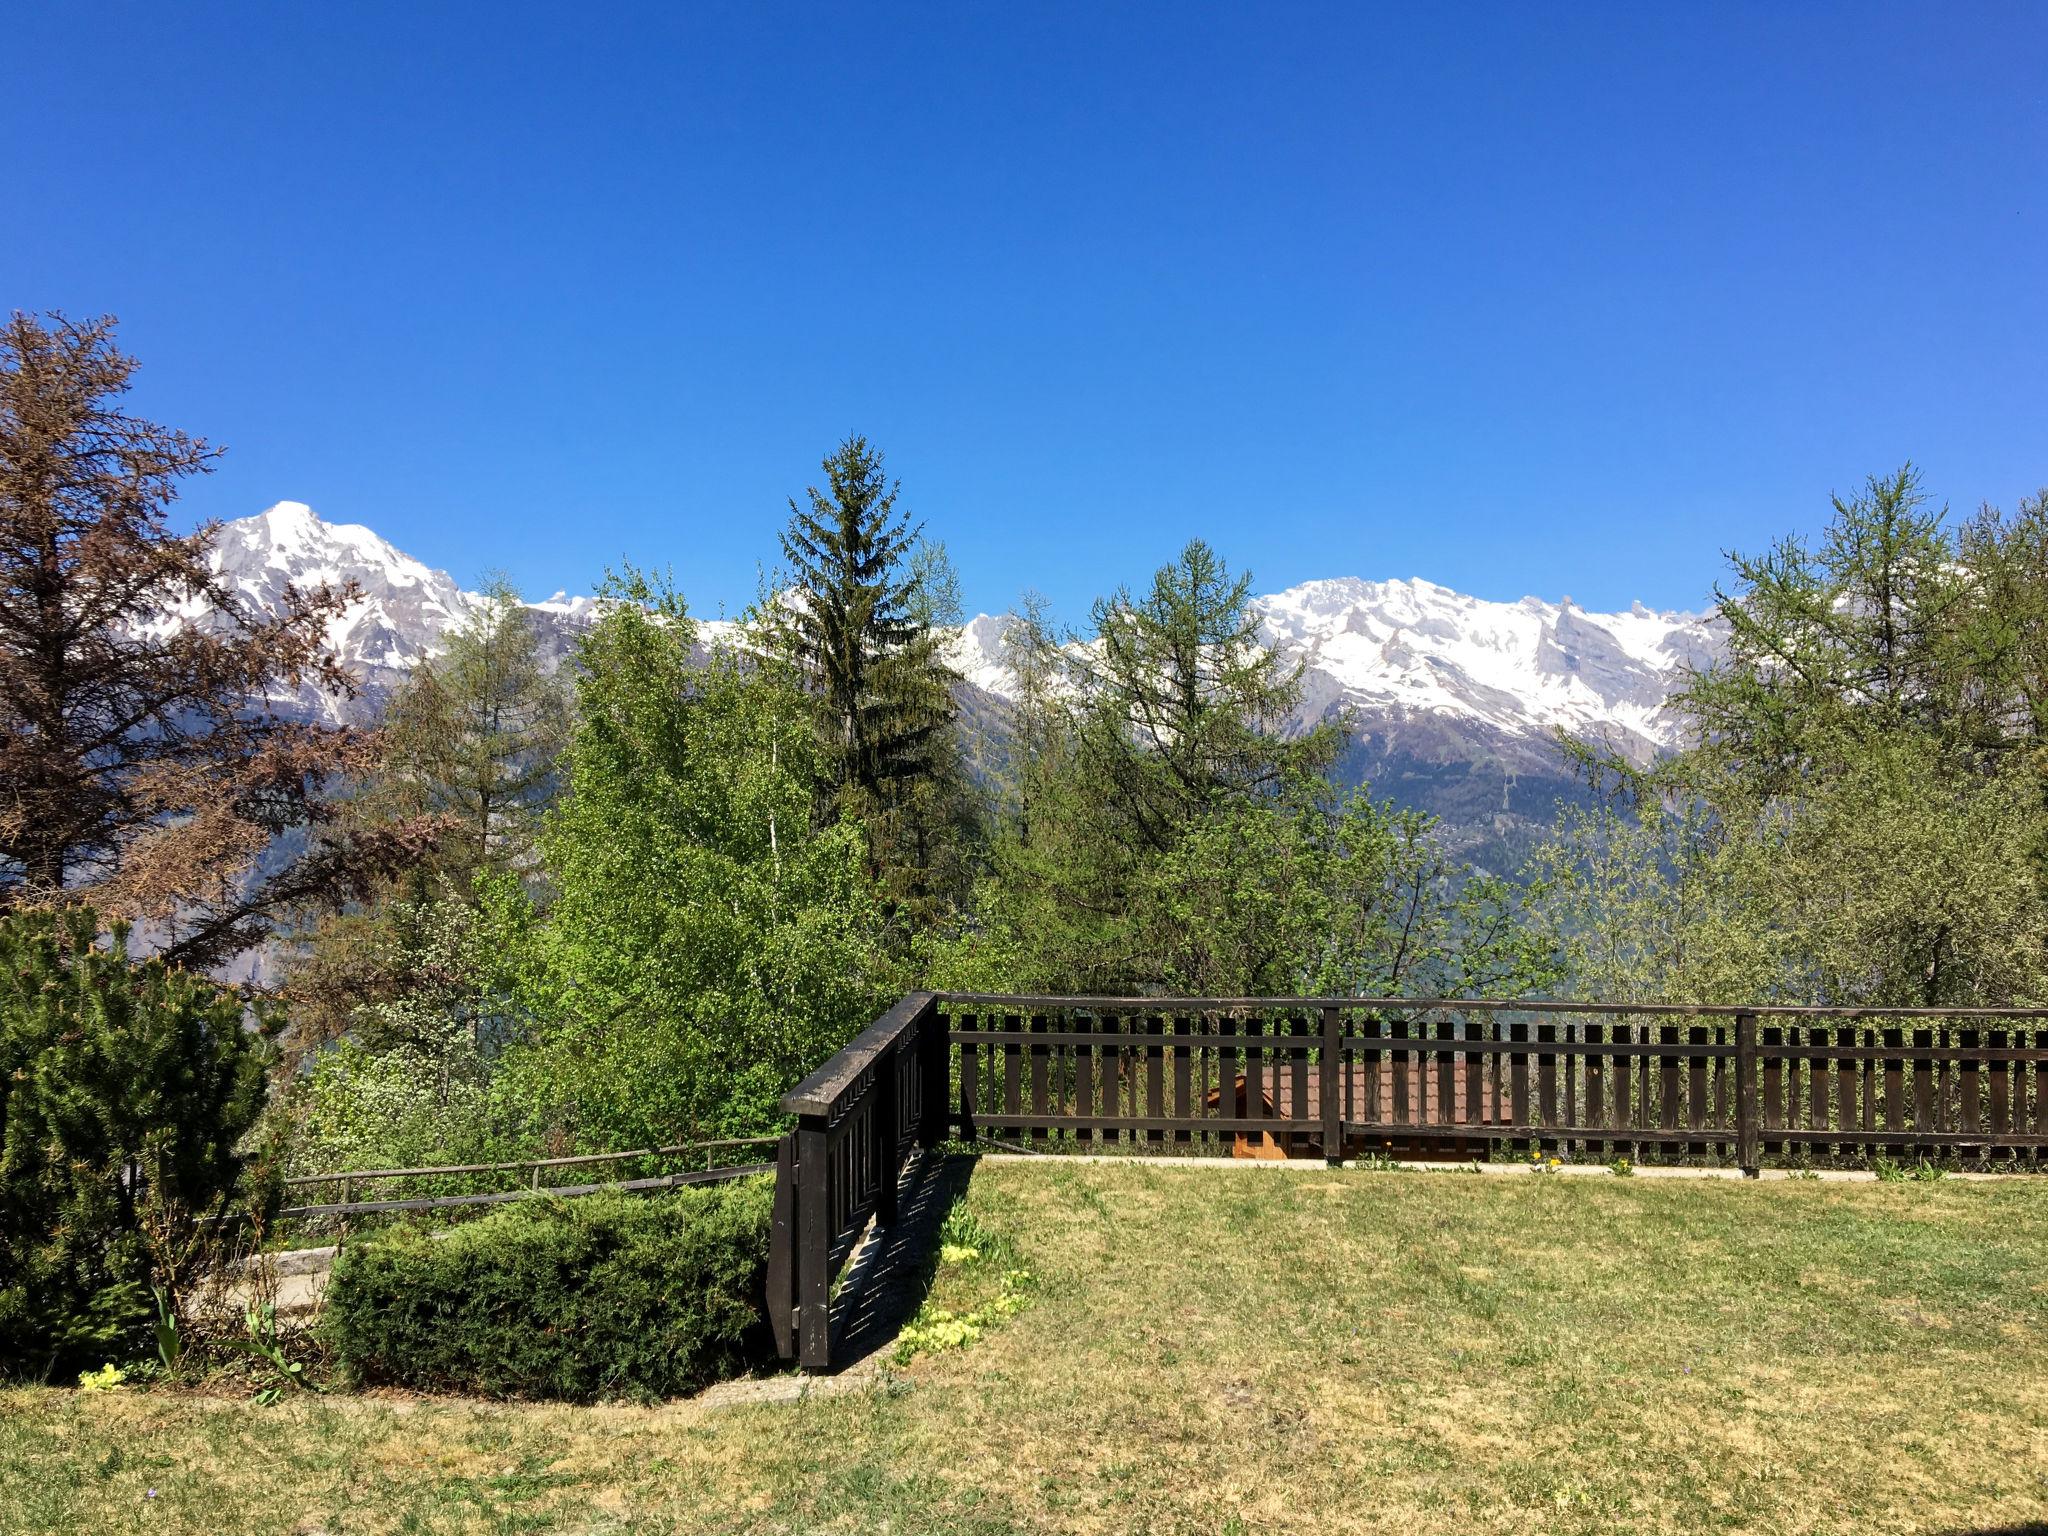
(1344, 1077)
(857, 1118)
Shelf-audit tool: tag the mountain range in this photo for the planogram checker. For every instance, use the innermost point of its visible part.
(1454, 701)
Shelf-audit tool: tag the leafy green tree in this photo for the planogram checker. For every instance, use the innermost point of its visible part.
(708, 942)
(124, 1090)
(469, 746)
(1159, 828)
(474, 735)
(1860, 819)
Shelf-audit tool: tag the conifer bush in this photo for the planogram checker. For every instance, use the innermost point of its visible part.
(607, 1296)
(124, 1089)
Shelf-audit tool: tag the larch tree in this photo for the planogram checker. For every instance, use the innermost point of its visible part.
(470, 744)
(144, 763)
(1861, 817)
(1186, 709)
(474, 737)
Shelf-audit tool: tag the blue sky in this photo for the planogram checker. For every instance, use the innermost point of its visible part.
(1529, 298)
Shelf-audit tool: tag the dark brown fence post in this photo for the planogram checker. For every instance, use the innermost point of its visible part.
(887, 1133)
(814, 1243)
(1746, 1117)
(1328, 1081)
(782, 1251)
(935, 1060)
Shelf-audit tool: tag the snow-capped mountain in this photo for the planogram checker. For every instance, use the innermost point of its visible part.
(404, 610)
(1525, 669)
(1407, 648)
(1453, 700)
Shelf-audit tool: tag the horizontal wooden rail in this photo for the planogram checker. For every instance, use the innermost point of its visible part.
(352, 1175)
(500, 1197)
(857, 1119)
(1029, 1002)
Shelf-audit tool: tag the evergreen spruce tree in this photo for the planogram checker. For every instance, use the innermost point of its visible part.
(124, 1091)
(860, 627)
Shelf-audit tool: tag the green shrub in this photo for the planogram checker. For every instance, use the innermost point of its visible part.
(123, 1090)
(602, 1297)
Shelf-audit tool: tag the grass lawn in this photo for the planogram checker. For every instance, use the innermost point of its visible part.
(1250, 1350)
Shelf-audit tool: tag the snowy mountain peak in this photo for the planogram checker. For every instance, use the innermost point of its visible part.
(1524, 669)
(1426, 674)
(403, 609)
(291, 537)
(1391, 653)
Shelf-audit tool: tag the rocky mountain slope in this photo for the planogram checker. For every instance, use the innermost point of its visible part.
(1453, 700)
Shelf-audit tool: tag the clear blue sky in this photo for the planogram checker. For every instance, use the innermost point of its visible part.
(1536, 298)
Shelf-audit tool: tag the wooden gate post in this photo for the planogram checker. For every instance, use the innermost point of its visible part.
(888, 1125)
(1747, 1130)
(1328, 1081)
(935, 1102)
(782, 1251)
(814, 1244)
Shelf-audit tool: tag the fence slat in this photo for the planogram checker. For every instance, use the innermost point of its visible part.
(1039, 1065)
(1013, 1067)
(1518, 1074)
(1330, 1081)
(1747, 1115)
(1667, 1070)
(1446, 1084)
(969, 1084)
(1376, 1074)
(1155, 1073)
(1596, 1086)
(1773, 1086)
(1300, 1110)
(1226, 1066)
(1971, 1121)
(2001, 1091)
(1696, 1083)
(1183, 1075)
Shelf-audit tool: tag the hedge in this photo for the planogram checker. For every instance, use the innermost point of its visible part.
(607, 1296)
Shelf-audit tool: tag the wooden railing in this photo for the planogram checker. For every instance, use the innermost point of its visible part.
(858, 1117)
(1402, 1077)
(1458, 1078)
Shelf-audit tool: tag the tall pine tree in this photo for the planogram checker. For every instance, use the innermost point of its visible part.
(858, 625)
